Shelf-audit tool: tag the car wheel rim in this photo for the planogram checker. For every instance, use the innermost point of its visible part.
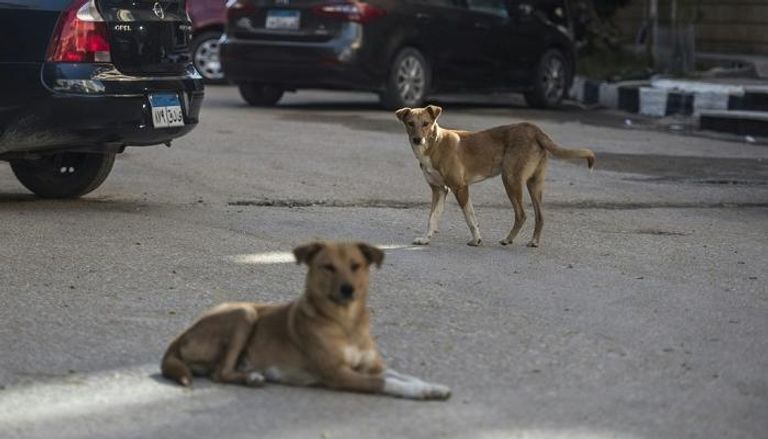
(411, 79)
(207, 59)
(66, 165)
(553, 80)
(58, 167)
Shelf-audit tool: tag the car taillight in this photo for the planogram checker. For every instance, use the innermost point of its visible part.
(357, 12)
(80, 36)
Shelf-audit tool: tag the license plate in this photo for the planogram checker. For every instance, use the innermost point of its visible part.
(166, 110)
(281, 19)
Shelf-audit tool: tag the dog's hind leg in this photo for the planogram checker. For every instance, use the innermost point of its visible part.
(462, 196)
(173, 367)
(535, 189)
(438, 205)
(227, 371)
(514, 188)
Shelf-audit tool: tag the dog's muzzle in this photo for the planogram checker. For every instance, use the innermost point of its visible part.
(345, 294)
(347, 291)
(418, 140)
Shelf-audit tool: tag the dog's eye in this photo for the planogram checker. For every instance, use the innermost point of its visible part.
(329, 268)
(425, 124)
(355, 266)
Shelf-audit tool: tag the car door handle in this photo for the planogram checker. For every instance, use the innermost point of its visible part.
(480, 25)
(422, 16)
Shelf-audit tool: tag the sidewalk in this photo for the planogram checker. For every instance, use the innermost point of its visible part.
(758, 63)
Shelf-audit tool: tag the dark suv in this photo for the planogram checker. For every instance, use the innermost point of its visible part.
(401, 49)
(82, 79)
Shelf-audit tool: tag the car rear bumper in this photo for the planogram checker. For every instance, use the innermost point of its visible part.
(92, 107)
(333, 64)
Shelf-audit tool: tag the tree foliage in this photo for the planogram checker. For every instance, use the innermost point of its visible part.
(606, 9)
(595, 30)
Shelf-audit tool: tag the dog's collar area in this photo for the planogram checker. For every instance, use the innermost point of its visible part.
(434, 135)
(340, 300)
(418, 149)
(431, 141)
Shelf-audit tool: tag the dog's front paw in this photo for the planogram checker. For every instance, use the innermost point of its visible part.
(421, 240)
(475, 242)
(438, 392)
(415, 389)
(255, 379)
(505, 241)
(532, 244)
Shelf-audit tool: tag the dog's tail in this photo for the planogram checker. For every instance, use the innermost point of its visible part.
(173, 367)
(565, 153)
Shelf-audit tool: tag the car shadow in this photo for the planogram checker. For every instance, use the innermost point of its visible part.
(367, 116)
(315, 105)
(325, 100)
(28, 203)
(8, 198)
(358, 102)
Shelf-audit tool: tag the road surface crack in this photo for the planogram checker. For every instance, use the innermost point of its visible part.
(398, 204)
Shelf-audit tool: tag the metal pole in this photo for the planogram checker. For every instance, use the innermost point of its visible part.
(654, 15)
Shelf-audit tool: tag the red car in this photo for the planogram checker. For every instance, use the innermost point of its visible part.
(208, 18)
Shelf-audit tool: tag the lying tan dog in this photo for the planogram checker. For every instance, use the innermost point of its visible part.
(323, 338)
(454, 159)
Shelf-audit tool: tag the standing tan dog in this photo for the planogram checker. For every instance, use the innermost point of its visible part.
(323, 338)
(454, 159)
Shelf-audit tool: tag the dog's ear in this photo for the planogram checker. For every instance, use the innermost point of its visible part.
(434, 111)
(372, 254)
(403, 113)
(306, 252)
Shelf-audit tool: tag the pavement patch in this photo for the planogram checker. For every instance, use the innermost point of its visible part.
(86, 395)
(693, 169)
(394, 204)
(349, 121)
(286, 257)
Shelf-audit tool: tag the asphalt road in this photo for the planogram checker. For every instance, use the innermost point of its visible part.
(643, 315)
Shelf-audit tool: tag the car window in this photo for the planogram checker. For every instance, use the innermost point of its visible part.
(495, 7)
(554, 10)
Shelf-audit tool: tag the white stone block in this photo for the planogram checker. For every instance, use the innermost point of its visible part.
(653, 101)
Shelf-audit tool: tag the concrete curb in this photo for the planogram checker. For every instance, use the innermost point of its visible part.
(743, 123)
(719, 107)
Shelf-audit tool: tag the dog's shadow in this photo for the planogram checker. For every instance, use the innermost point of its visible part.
(160, 379)
(198, 383)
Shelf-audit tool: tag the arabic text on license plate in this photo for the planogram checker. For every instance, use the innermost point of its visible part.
(282, 19)
(166, 110)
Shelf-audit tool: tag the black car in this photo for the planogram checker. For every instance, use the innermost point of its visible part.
(401, 49)
(82, 79)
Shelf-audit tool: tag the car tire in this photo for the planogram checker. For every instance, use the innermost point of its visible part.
(260, 95)
(409, 80)
(550, 84)
(64, 175)
(205, 56)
